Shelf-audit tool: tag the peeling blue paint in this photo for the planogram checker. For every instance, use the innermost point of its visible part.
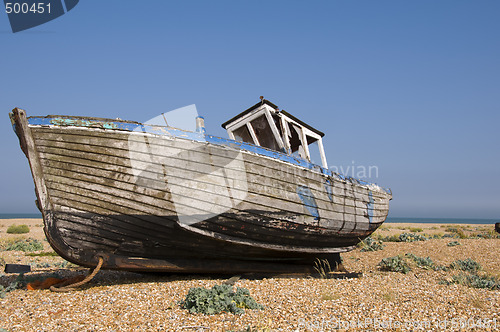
(329, 190)
(110, 124)
(83, 123)
(369, 206)
(307, 197)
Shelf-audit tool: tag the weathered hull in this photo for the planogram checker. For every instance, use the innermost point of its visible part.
(161, 200)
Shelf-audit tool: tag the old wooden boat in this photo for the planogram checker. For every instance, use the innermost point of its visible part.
(157, 198)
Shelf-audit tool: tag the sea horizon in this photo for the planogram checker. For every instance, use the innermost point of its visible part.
(414, 220)
(390, 220)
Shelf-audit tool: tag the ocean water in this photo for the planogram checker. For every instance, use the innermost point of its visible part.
(20, 215)
(440, 220)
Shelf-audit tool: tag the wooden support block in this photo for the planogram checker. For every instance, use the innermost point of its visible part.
(17, 268)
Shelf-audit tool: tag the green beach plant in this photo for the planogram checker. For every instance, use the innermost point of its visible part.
(403, 237)
(409, 237)
(489, 234)
(424, 263)
(457, 231)
(474, 280)
(26, 245)
(394, 264)
(468, 265)
(389, 238)
(18, 229)
(220, 298)
(370, 244)
(43, 254)
(60, 265)
(453, 243)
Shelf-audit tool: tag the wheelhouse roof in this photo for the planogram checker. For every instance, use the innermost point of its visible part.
(286, 114)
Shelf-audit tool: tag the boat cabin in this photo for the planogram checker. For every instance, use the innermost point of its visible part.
(265, 125)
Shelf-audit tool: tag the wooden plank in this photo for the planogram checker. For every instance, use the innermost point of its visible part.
(292, 193)
(344, 211)
(189, 194)
(95, 172)
(29, 148)
(127, 226)
(129, 212)
(156, 143)
(249, 173)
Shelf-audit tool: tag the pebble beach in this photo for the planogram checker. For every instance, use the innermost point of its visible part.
(423, 299)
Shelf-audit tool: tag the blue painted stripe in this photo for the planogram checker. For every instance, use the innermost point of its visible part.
(196, 136)
(329, 189)
(369, 206)
(307, 197)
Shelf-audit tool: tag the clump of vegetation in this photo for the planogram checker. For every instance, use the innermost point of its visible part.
(220, 298)
(489, 234)
(473, 280)
(435, 236)
(370, 244)
(408, 237)
(43, 254)
(403, 237)
(2, 261)
(26, 245)
(416, 229)
(468, 265)
(48, 265)
(389, 238)
(394, 264)
(457, 232)
(18, 229)
(476, 281)
(424, 263)
(471, 277)
(453, 243)
(322, 266)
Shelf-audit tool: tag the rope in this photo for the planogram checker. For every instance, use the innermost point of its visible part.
(72, 287)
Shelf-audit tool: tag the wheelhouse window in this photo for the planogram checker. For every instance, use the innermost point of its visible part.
(314, 150)
(294, 137)
(242, 134)
(264, 133)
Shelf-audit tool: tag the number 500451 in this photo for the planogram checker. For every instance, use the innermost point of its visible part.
(25, 8)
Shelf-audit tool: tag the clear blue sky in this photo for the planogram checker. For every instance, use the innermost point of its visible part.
(412, 87)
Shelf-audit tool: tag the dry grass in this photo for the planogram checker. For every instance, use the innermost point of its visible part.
(330, 296)
(389, 296)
